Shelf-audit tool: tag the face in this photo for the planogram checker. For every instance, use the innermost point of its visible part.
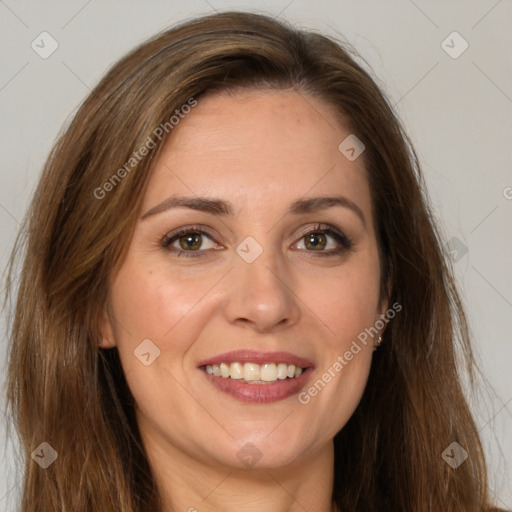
(219, 298)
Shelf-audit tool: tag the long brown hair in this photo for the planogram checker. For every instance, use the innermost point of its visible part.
(65, 391)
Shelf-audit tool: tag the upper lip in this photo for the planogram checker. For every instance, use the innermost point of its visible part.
(255, 356)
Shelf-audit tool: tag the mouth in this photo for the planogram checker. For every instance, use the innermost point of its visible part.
(251, 376)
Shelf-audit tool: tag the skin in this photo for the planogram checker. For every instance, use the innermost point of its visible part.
(259, 150)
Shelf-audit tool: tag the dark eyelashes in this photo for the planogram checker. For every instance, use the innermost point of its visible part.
(171, 237)
(340, 237)
(345, 243)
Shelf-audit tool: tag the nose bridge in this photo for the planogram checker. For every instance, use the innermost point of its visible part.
(261, 293)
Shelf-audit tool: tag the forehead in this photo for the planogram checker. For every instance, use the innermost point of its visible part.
(253, 145)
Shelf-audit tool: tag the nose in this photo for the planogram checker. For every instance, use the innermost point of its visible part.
(260, 295)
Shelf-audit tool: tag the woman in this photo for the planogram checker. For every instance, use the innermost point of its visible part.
(233, 294)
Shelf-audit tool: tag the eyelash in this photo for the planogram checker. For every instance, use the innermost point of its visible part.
(345, 243)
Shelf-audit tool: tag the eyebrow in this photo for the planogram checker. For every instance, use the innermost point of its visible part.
(216, 206)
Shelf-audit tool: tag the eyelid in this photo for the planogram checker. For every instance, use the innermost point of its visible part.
(192, 228)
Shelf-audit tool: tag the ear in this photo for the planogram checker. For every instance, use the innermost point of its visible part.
(384, 302)
(105, 329)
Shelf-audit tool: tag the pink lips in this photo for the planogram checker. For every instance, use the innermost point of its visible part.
(259, 393)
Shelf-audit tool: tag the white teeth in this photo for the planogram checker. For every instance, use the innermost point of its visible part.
(224, 370)
(236, 371)
(254, 373)
(282, 371)
(251, 371)
(269, 372)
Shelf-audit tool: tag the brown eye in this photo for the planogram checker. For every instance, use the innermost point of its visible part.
(325, 241)
(191, 241)
(315, 241)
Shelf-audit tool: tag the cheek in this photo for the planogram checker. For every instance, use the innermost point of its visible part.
(346, 357)
(157, 306)
(349, 302)
(347, 305)
(151, 303)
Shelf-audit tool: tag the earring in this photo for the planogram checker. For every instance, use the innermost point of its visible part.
(377, 345)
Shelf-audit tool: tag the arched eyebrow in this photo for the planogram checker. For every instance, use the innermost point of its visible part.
(221, 207)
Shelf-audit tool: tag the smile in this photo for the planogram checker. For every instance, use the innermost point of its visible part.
(251, 376)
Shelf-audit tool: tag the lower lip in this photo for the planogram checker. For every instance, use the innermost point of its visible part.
(260, 393)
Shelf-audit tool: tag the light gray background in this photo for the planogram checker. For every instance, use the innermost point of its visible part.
(457, 111)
